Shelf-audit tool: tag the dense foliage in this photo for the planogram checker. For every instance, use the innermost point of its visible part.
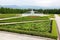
(11, 10)
(20, 11)
(48, 11)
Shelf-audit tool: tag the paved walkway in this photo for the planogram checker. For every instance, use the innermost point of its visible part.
(14, 36)
(57, 18)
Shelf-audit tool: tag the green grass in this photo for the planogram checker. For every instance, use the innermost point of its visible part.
(51, 15)
(29, 18)
(7, 15)
(54, 29)
(59, 14)
(54, 33)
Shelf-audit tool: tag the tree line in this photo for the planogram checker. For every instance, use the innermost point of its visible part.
(11, 10)
(48, 11)
(20, 11)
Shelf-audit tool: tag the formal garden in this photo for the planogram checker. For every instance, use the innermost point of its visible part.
(32, 25)
(40, 26)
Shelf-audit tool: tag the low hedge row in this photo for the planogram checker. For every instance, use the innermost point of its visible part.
(42, 34)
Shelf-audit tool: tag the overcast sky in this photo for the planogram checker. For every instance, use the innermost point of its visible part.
(42, 3)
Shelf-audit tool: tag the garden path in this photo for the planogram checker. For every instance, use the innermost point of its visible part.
(22, 22)
(15, 36)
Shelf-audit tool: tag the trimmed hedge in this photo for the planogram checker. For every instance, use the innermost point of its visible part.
(17, 29)
(42, 34)
(40, 26)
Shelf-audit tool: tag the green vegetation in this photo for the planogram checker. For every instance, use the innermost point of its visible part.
(12, 11)
(54, 28)
(7, 15)
(59, 14)
(51, 15)
(20, 11)
(48, 11)
(41, 28)
(33, 26)
(28, 18)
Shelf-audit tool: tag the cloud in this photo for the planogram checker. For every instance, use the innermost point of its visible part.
(42, 3)
(9, 2)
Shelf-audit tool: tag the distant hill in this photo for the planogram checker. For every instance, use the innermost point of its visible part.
(22, 7)
(27, 6)
(9, 6)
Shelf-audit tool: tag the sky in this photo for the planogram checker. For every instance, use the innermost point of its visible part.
(42, 3)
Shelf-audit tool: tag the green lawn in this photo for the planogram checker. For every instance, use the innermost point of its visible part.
(51, 15)
(29, 18)
(7, 15)
(59, 14)
(54, 29)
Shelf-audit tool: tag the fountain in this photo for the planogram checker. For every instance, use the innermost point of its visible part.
(32, 13)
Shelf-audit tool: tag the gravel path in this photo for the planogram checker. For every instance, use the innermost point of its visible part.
(14, 36)
(57, 18)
